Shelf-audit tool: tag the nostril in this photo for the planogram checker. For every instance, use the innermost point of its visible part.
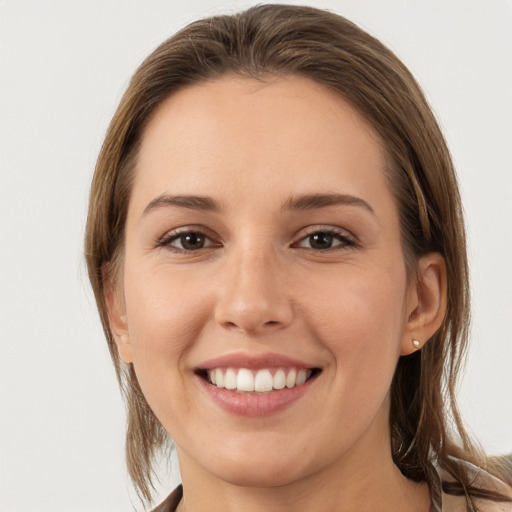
(252, 313)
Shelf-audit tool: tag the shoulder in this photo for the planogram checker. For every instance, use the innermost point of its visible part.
(482, 480)
(458, 504)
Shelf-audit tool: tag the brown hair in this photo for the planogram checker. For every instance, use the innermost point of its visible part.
(281, 40)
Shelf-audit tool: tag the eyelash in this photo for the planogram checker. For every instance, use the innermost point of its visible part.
(346, 240)
(170, 237)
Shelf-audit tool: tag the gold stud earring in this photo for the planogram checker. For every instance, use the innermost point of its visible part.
(416, 343)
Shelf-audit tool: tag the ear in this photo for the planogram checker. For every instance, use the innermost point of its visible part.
(426, 302)
(118, 322)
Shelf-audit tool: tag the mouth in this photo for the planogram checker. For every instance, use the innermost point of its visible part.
(257, 381)
(256, 385)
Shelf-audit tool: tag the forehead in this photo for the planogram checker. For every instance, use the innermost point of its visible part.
(278, 135)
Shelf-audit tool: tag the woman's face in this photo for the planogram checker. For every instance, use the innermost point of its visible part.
(263, 247)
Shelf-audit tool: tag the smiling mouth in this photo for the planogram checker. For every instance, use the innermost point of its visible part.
(260, 381)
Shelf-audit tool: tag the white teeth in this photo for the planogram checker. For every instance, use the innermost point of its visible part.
(219, 377)
(230, 379)
(245, 380)
(279, 379)
(262, 381)
(291, 378)
(301, 377)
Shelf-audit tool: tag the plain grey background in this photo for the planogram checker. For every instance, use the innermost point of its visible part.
(64, 65)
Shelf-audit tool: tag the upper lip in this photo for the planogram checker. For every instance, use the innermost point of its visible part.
(252, 361)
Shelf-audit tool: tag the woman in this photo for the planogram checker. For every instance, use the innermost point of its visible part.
(276, 245)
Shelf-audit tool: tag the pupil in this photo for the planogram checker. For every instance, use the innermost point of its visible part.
(192, 241)
(320, 241)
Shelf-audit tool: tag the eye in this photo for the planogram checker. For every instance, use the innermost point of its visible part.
(325, 240)
(186, 241)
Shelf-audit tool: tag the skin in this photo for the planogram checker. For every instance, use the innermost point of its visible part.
(259, 286)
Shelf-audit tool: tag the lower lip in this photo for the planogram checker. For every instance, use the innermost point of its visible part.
(253, 404)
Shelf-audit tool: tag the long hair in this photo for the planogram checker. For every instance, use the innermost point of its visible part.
(279, 41)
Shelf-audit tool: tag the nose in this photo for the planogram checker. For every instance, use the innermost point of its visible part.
(253, 296)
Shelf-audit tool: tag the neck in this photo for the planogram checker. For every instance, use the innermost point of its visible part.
(348, 495)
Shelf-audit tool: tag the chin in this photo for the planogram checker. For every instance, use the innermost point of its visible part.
(248, 475)
(260, 467)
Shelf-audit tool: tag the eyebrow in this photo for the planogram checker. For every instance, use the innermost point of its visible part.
(304, 202)
(203, 203)
(314, 201)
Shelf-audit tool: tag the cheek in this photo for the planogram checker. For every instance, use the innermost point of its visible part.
(360, 315)
(166, 313)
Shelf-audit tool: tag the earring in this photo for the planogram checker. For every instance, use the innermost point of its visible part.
(416, 343)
